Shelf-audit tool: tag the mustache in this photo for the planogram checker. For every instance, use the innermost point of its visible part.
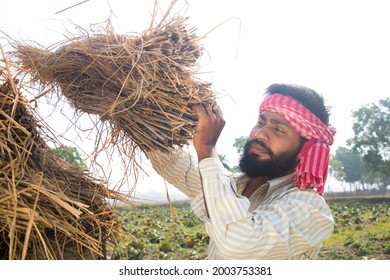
(260, 143)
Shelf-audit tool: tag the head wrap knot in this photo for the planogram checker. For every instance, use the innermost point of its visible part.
(313, 159)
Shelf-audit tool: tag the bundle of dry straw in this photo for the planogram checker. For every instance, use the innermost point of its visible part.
(48, 209)
(142, 85)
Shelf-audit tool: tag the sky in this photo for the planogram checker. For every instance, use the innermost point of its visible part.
(338, 48)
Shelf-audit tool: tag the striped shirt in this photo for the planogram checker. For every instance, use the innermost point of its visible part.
(278, 221)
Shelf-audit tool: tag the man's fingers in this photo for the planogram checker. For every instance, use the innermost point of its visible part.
(217, 110)
(203, 110)
(199, 109)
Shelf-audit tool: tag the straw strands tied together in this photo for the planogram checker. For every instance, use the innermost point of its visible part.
(49, 209)
(141, 86)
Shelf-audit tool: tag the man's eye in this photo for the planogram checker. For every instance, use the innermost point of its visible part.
(260, 123)
(279, 130)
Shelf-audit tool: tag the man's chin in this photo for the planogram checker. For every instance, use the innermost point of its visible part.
(262, 167)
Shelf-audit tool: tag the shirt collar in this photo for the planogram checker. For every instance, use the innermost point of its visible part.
(273, 184)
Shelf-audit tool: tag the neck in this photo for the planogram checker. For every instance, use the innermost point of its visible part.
(254, 184)
(257, 182)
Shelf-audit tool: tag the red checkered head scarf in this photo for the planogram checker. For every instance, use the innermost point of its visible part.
(313, 159)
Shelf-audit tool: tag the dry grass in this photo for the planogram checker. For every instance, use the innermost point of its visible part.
(141, 86)
(49, 209)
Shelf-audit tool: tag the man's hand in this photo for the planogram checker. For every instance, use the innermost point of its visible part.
(209, 127)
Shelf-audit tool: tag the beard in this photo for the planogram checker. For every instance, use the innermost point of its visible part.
(275, 166)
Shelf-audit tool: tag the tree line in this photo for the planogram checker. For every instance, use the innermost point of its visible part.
(365, 162)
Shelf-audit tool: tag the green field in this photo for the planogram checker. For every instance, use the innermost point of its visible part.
(155, 232)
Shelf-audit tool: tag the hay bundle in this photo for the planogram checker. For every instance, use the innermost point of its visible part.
(143, 85)
(48, 209)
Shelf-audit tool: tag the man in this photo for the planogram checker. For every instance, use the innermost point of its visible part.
(275, 208)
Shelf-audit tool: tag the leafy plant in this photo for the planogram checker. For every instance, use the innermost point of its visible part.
(362, 231)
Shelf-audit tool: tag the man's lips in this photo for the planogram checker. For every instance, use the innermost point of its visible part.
(258, 150)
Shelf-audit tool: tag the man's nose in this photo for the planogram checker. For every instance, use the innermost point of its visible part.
(262, 133)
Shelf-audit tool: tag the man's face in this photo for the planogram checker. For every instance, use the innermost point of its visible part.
(272, 147)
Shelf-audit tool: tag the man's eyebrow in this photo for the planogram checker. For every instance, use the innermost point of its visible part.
(275, 121)
(280, 122)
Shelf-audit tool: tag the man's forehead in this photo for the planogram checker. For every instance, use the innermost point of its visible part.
(274, 117)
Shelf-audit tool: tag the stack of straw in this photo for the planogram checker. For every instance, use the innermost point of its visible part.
(142, 85)
(49, 209)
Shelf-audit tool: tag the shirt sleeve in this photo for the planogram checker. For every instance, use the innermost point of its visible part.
(291, 225)
(182, 171)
